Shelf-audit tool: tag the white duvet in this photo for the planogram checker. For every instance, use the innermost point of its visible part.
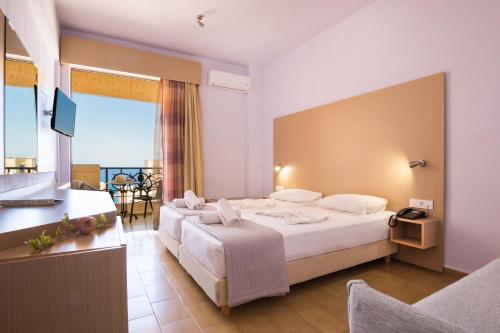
(170, 219)
(340, 231)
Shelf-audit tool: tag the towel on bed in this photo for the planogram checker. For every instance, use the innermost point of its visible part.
(181, 203)
(255, 260)
(191, 200)
(295, 216)
(227, 214)
(212, 217)
(191, 212)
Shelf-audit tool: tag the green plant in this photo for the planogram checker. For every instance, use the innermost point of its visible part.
(68, 226)
(101, 221)
(42, 242)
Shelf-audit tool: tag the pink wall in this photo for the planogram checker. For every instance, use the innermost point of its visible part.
(393, 41)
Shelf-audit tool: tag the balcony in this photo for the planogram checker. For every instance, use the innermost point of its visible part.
(101, 177)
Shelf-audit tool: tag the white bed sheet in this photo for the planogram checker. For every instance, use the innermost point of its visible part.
(341, 231)
(170, 219)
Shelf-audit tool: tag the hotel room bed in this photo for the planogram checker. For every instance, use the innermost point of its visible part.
(340, 231)
(311, 250)
(170, 231)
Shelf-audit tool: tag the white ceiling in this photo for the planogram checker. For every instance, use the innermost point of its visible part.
(236, 31)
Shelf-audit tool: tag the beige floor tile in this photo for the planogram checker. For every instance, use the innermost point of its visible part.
(224, 327)
(146, 324)
(336, 306)
(169, 311)
(139, 307)
(265, 328)
(160, 291)
(323, 321)
(152, 277)
(186, 325)
(147, 265)
(283, 318)
(319, 305)
(206, 313)
(308, 329)
(191, 294)
(135, 289)
(296, 301)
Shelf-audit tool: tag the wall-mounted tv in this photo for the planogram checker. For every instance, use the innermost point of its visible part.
(63, 114)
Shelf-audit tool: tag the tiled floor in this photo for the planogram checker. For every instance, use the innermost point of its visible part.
(164, 298)
(139, 224)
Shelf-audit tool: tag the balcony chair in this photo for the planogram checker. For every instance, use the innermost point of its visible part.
(142, 190)
(123, 183)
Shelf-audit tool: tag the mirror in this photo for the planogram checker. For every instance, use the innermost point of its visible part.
(20, 112)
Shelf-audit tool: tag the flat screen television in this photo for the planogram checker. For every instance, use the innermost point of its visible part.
(63, 114)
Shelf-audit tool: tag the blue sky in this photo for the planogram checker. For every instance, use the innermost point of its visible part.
(20, 122)
(112, 131)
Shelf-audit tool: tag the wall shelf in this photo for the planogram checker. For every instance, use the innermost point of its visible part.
(420, 233)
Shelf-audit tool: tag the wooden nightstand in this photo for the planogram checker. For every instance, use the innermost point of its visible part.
(420, 233)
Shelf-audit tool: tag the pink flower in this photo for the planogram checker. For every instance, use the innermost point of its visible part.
(85, 225)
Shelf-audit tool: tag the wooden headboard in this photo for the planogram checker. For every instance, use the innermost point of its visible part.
(363, 145)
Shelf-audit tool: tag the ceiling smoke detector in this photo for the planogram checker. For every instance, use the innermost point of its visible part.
(199, 20)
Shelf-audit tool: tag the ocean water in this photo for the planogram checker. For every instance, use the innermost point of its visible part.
(112, 172)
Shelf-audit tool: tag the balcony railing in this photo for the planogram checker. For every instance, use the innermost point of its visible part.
(107, 173)
(21, 169)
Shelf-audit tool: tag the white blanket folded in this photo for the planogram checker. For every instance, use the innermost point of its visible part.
(295, 216)
(227, 214)
(181, 203)
(191, 200)
(252, 203)
(213, 217)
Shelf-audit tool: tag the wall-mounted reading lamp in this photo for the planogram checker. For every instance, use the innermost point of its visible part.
(414, 164)
(277, 168)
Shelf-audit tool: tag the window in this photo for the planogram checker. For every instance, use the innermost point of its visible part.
(115, 122)
(20, 117)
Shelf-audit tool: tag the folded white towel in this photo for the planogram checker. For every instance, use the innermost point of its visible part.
(210, 218)
(181, 203)
(213, 217)
(192, 201)
(227, 214)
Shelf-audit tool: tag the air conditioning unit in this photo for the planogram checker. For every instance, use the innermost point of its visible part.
(229, 80)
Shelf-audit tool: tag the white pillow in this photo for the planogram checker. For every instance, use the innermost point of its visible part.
(354, 203)
(296, 195)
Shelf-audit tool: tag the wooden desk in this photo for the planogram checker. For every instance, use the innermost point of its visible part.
(20, 224)
(77, 285)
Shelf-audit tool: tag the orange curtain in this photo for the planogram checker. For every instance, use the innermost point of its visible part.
(173, 134)
(178, 139)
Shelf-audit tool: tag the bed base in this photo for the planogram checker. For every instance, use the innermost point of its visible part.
(170, 243)
(298, 270)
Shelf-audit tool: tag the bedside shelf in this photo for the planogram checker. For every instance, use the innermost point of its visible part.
(420, 234)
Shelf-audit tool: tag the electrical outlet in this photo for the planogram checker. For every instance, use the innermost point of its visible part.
(421, 203)
(279, 188)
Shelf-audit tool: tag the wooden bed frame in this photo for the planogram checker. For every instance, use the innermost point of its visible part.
(298, 270)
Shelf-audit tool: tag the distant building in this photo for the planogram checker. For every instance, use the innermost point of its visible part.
(22, 164)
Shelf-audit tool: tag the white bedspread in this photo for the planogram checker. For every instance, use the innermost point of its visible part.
(340, 231)
(170, 219)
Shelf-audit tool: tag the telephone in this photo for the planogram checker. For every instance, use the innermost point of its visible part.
(410, 213)
(406, 213)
